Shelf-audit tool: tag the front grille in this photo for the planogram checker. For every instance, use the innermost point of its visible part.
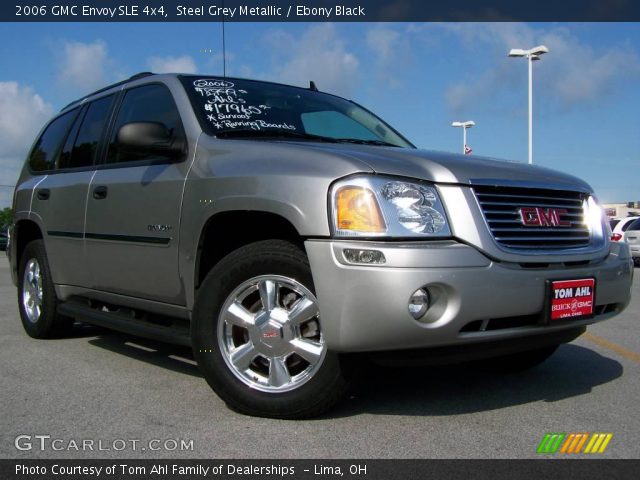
(501, 208)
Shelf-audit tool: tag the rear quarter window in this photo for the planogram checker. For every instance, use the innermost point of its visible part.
(627, 225)
(44, 152)
(634, 226)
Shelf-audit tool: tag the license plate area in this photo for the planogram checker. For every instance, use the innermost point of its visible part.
(569, 300)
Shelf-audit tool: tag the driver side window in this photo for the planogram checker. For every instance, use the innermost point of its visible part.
(148, 103)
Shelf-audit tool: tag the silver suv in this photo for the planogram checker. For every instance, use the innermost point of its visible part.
(283, 232)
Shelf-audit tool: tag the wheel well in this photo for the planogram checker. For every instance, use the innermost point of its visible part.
(24, 232)
(228, 231)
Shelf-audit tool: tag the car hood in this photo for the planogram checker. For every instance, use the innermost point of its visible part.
(441, 167)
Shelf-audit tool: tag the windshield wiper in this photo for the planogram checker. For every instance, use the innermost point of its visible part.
(360, 141)
(272, 133)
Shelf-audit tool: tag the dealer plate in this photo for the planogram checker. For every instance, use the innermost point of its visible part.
(571, 299)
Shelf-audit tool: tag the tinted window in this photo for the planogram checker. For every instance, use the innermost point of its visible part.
(64, 159)
(229, 108)
(43, 155)
(635, 225)
(613, 223)
(85, 144)
(335, 124)
(627, 225)
(149, 103)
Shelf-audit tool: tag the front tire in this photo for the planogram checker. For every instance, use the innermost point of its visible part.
(37, 300)
(257, 337)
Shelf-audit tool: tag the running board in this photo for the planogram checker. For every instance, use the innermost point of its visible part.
(132, 326)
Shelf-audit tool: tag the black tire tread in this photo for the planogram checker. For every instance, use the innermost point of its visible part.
(240, 264)
(50, 324)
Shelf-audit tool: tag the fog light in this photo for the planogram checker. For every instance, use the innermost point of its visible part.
(353, 255)
(419, 303)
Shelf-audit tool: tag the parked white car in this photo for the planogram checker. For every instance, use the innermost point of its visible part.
(632, 237)
(619, 226)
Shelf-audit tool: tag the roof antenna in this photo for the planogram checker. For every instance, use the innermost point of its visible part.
(312, 86)
(224, 48)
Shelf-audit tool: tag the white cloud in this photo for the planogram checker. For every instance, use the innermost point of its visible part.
(182, 64)
(84, 65)
(384, 42)
(391, 50)
(319, 54)
(22, 114)
(572, 74)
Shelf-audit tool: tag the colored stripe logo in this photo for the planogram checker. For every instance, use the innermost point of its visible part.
(573, 443)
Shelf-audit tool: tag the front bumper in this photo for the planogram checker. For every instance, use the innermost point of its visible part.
(473, 298)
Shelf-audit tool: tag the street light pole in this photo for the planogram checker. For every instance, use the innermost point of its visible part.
(530, 61)
(464, 140)
(465, 126)
(531, 55)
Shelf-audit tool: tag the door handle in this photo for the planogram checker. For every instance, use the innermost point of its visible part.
(100, 192)
(43, 194)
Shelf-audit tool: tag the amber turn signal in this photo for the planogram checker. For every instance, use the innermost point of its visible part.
(357, 210)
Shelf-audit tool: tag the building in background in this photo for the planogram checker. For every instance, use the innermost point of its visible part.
(621, 210)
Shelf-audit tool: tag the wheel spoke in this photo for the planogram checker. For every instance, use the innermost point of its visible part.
(268, 294)
(243, 355)
(303, 309)
(239, 316)
(278, 372)
(310, 351)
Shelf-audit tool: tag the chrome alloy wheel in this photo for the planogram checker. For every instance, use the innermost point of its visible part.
(269, 334)
(32, 290)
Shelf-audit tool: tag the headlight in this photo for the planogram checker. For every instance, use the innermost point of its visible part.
(372, 206)
(594, 216)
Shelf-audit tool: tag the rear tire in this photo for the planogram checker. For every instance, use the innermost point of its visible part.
(519, 362)
(256, 334)
(37, 300)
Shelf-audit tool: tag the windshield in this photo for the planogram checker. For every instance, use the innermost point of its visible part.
(232, 108)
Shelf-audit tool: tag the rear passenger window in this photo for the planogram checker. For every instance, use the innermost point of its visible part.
(149, 103)
(81, 147)
(628, 225)
(44, 153)
(634, 226)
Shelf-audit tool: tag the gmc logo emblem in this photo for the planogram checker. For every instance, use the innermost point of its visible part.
(543, 217)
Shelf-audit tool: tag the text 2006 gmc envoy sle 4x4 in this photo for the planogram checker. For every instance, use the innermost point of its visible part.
(279, 230)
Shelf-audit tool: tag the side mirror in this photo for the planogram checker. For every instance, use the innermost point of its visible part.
(150, 138)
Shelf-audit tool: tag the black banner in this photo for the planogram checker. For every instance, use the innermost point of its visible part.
(317, 11)
(315, 469)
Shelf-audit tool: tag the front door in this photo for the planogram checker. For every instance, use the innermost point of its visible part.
(133, 208)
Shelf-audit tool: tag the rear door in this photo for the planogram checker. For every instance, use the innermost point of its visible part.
(65, 154)
(133, 207)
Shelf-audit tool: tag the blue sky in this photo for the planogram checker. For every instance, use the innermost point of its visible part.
(419, 77)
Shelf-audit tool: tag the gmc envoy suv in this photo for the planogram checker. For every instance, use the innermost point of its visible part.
(282, 232)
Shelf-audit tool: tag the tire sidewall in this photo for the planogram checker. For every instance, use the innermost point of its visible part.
(244, 264)
(43, 327)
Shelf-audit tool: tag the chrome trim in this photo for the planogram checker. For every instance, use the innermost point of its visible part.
(269, 334)
(489, 182)
(596, 243)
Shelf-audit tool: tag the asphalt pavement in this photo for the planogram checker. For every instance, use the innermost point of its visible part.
(105, 395)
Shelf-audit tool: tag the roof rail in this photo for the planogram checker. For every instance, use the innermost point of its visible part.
(121, 82)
